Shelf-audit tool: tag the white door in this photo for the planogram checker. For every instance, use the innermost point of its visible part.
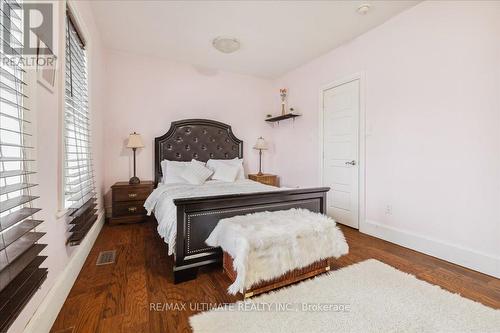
(341, 151)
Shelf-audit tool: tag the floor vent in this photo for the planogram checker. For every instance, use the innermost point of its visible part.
(106, 257)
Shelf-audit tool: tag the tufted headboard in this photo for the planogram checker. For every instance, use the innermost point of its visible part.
(201, 139)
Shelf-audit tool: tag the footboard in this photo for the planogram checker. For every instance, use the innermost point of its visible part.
(197, 217)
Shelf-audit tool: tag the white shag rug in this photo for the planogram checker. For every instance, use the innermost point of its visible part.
(366, 297)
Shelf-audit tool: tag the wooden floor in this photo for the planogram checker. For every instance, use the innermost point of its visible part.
(118, 297)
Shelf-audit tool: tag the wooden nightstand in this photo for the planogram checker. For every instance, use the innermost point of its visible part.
(128, 202)
(266, 179)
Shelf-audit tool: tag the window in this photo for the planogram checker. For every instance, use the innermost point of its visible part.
(79, 188)
(20, 274)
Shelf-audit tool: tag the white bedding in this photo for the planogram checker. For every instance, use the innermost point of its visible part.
(161, 201)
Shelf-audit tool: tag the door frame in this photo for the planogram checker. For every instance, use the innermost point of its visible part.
(361, 140)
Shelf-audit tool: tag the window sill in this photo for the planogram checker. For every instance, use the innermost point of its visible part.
(61, 213)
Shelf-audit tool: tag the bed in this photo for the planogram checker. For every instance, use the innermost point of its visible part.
(187, 214)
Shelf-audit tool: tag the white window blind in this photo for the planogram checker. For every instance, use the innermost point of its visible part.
(78, 171)
(20, 274)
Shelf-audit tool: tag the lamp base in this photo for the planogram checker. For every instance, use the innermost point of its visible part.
(134, 181)
(260, 173)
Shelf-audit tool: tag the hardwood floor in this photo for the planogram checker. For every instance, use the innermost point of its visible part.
(118, 297)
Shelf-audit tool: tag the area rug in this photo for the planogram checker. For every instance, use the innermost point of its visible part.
(366, 297)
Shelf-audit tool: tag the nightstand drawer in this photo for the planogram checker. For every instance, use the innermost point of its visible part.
(131, 193)
(128, 202)
(128, 208)
(268, 181)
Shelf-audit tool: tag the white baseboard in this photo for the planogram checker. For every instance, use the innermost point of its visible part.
(472, 259)
(47, 311)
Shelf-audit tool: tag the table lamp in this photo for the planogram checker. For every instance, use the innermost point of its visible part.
(134, 142)
(260, 145)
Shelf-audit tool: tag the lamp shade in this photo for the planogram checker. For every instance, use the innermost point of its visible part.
(260, 144)
(135, 141)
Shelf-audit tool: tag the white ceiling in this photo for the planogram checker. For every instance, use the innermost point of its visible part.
(275, 36)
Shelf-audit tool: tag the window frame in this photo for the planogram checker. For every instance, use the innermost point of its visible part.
(82, 214)
(69, 8)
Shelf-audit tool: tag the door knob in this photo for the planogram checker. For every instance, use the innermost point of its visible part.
(353, 162)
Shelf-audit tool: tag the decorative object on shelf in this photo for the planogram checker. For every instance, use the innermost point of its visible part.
(260, 145)
(134, 142)
(283, 92)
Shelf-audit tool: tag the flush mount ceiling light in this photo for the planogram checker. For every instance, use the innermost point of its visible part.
(364, 9)
(226, 44)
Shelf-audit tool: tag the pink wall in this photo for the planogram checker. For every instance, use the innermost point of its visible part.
(432, 77)
(433, 127)
(47, 108)
(146, 94)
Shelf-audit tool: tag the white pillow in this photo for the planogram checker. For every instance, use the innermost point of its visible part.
(214, 164)
(172, 171)
(226, 172)
(241, 170)
(196, 173)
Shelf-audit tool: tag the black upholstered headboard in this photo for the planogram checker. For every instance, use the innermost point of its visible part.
(201, 139)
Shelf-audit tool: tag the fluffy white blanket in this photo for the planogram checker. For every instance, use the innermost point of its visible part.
(266, 245)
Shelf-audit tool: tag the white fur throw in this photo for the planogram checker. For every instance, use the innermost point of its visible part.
(266, 245)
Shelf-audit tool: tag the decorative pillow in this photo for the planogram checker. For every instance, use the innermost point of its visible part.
(226, 172)
(196, 173)
(214, 164)
(172, 171)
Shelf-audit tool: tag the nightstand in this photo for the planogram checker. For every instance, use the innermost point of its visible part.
(266, 179)
(128, 202)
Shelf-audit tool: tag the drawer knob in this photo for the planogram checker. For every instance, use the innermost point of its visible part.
(132, 195)
(132, 209)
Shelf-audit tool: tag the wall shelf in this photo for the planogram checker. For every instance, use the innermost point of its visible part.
(283, 117)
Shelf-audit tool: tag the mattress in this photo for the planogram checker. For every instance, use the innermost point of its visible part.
(161, 201)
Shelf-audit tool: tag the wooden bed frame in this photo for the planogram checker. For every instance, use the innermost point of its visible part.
(203, 139)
